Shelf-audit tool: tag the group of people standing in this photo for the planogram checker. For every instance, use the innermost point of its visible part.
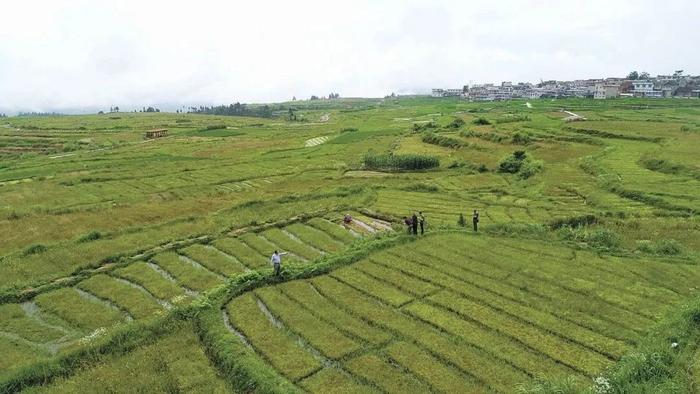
(413, 222)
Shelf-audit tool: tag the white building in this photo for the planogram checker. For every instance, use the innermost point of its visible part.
(606, 91)
(437, 92)
(643, 88)
(446, 92)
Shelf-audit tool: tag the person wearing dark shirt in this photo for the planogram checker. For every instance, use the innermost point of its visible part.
(475, 219)
(414, 223)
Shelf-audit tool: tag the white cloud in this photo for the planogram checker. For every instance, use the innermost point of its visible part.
(74, 54)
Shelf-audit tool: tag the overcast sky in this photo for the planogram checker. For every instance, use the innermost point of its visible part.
(73, 54)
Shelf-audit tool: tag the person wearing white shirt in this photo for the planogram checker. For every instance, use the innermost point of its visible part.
(276, 261)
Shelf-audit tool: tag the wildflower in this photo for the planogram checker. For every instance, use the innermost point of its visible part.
(674, 345)
(95, 334)
(602, 385)
(178, 299)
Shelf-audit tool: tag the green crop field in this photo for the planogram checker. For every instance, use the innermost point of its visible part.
(143, 265)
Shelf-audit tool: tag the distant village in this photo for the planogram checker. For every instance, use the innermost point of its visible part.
(634, 85)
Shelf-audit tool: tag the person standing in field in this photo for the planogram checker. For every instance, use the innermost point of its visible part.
(407, 222)
(414, 223)
(276, 261)
(421, 221)
(475, 219)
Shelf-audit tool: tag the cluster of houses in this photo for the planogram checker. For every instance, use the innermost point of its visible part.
(675, 85)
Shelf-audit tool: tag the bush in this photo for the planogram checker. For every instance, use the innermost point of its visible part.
(348, 130)
(455, 124)
(481, 121)
(441, 140)
(91, 236)
(601, 238)
(461, 222)
(34, 249)
(512, 118)
(519, 163)
(214, 127)
(424, 126)
(517, 229)
(530, 168)
(668, 247)
(511, 164)
(465, 164)
(421, 187)
(393, 162)
(576, 221)
(521, 138)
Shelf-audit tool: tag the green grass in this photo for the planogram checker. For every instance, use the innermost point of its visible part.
(332, 229)
(83, 313)
(174, 363)
(333, 381)
(285, 242)
(138, 303)
(13, 319)
(213, 259)
(278, 348)
(17, 355)
(241, 251)
(385, 375)
(314, 237)
(319, 334)
(152, 280)
(189, 276)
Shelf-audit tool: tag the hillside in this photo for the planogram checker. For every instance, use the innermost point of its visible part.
(118, 249)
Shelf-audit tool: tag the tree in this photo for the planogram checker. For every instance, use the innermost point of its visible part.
(116, 109)
(644, 75)
(294, 98)
(633, 75)
(461, 222)
(101, 113)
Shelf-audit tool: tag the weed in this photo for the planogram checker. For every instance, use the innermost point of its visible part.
(89, 237)
(34, 249)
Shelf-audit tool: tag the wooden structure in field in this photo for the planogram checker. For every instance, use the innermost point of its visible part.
(156, 133)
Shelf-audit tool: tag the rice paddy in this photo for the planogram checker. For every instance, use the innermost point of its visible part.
(148, 264)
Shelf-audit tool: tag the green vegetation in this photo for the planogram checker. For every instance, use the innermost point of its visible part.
(392, 162)
(145, 263)
(174, 363)
(441, 140)
(519, 163)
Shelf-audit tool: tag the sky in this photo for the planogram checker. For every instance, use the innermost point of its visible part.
(82, 55)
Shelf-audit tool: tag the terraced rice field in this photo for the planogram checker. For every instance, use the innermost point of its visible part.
(456, 313)
(315, 141)
(130, 266)
(149, 288)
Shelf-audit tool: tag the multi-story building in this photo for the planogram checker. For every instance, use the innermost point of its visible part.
(676, 85)
(606, 90)
(437, 92)
(446, 92)
(645, 88)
